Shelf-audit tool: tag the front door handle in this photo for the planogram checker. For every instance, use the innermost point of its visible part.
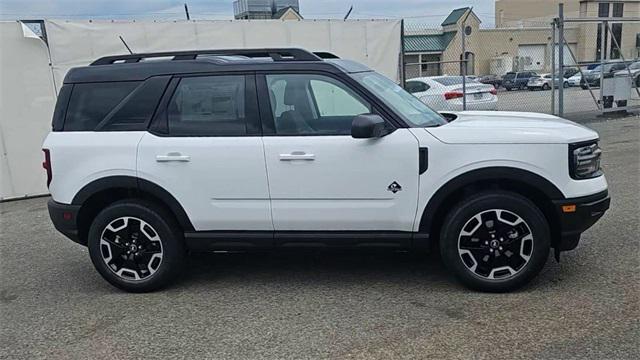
(173, 157)
(297, 155)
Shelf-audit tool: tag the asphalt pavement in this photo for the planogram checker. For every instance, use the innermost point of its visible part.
(296, 305)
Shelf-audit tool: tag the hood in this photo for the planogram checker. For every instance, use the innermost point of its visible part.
(501, 127)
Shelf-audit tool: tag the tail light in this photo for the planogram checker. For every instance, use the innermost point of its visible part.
(493, 91)
(46, 164)
(452, 95)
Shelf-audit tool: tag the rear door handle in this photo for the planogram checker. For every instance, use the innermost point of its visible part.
(297, 155)
(173, 157)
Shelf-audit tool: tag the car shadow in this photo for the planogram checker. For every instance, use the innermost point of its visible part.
(315, 267)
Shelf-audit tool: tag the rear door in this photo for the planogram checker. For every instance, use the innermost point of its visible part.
(321, 178)
(205, 149)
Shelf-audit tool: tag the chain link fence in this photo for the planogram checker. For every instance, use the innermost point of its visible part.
(523, 64)
(607, 76)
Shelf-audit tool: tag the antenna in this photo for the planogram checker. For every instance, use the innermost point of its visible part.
(125, 45)
(348, 13)
(186, 11)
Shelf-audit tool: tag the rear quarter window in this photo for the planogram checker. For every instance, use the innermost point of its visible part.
(91, 102)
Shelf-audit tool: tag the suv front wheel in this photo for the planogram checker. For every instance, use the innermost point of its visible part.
(495, 241)
(135, 245)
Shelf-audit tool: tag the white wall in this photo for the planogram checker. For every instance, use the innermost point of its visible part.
(27, 98)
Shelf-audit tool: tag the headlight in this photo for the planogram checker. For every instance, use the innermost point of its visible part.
(584, 160)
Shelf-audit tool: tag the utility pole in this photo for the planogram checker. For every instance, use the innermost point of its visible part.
(186, 11)
(560, 60)
(464, 59)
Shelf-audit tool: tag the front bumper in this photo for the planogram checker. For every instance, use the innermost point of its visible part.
(64, 219)
(577, 215)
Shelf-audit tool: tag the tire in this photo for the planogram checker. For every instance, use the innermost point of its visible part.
(469, 221)
(508, 88)
(136, 245)
(546, 87)
(565, 85)
(584, 87)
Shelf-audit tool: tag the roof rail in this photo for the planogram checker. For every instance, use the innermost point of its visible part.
(283, 54)
(326, 55)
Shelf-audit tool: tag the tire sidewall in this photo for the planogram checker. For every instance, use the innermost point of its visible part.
(161, 222)
(515, 203)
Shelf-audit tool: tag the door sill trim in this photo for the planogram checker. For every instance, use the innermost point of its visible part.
(238, 240)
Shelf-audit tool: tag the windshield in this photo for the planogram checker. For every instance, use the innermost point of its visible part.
(407, 106)
(509, 76)
(635, 66)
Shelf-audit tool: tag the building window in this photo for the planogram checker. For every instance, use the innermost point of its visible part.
(599, 45)
(616, 32)
(419, 65)
(618, 9)
(430, 65)
(603, 10)
(470, 57)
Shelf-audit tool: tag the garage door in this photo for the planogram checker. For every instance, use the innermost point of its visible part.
(568, 59)
(532, 56)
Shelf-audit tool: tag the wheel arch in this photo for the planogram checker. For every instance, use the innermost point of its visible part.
(534, 187)
(99, 193)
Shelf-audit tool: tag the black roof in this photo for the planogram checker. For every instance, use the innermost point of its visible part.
(138, 67)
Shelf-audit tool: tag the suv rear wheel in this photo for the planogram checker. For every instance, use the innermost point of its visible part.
(495, 241)
(136, 246)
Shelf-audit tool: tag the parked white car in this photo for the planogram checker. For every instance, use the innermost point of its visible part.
(575, 80)
(445, 93)
(543, 82)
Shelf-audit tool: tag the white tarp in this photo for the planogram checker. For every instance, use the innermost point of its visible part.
(29, 85)
(27, 98)
(375, 43)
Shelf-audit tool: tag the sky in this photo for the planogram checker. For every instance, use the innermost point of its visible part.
(424, 11)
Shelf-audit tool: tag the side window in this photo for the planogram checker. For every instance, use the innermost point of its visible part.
(91, 102)
(313, 105)
(416, 87)
(209, 106)
(333, 100)
(134, 112)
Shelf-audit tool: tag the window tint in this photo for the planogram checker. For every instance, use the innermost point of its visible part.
(313, 105)
(509, 76)
(416, 87)
(209, 106)
(57, 123)
(333, 100)
(137, 108)
(90, 103)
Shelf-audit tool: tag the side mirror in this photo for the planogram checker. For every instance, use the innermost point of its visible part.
(367, 126)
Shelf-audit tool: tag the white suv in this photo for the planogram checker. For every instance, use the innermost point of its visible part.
(155, 155)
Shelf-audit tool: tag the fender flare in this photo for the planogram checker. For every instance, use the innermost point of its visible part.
(137, 185)
(517, 175)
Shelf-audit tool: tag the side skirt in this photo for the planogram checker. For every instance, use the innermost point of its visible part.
(202, 241)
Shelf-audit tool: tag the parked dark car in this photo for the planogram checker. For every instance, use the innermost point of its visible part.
(494, 80)
(517, 80)
(592, 77)
(569, 72)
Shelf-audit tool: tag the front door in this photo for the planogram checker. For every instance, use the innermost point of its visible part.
(321, 178)
(207, 152)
